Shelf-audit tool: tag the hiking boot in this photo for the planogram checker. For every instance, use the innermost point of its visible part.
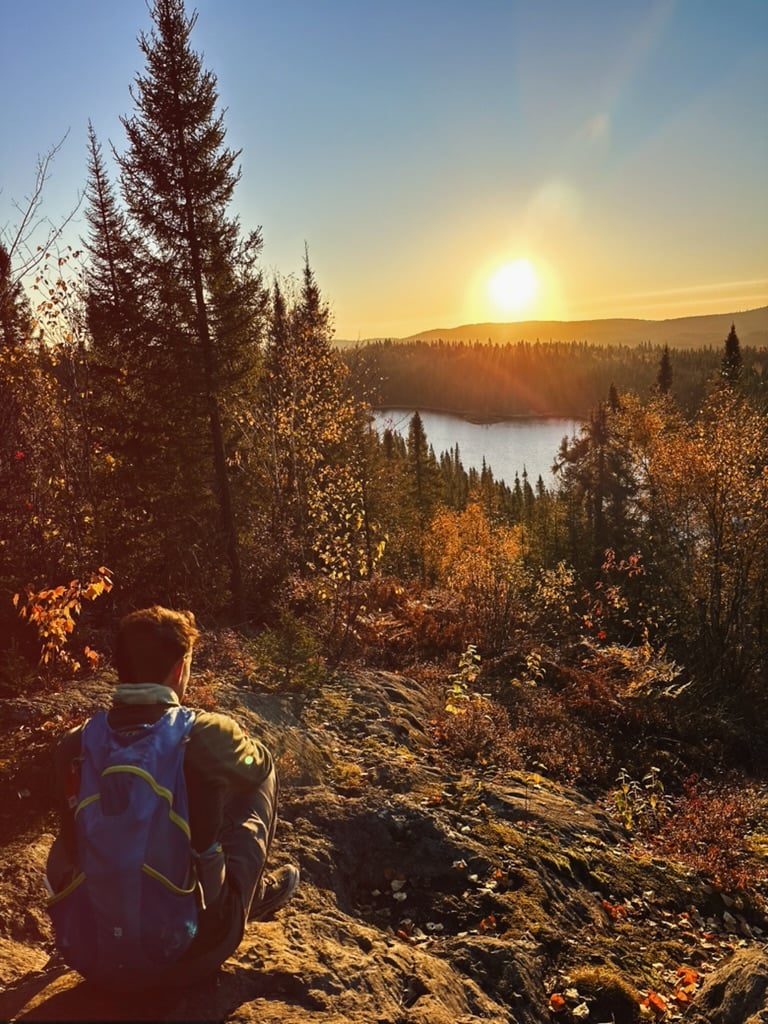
(275, 891)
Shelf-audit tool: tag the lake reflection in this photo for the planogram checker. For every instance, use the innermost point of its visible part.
(508, 446)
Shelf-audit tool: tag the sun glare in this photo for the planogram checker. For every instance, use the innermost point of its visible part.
(514, 287)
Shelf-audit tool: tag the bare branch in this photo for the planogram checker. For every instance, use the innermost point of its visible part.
(24, 253)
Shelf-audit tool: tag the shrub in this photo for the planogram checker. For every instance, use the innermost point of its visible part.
(708, 828)
(404, 626)
(220, 653)
(471, 726)
(479, 734)
(289, 656)
(640, 806)
(549, 739)
(482, 565)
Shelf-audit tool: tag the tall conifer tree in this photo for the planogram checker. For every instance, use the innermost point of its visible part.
(732, 361)
(664, 375)
(423, 484)
(312, 430)
(112, 275)
(177, 179)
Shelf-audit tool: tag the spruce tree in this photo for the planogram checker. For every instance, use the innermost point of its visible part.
(732, 361)
(664, 376)
(177, 179)
(113, 287)
(15, 312)
(423, 485)
(596, 480)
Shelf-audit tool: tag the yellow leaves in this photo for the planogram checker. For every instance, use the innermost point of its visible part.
(464, 549)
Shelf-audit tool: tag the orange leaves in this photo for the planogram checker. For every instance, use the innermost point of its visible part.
(466, 551)
(54, 611)
(655, 1003)
(92, 657)
(557, 1003)
(688, 979)
(689, 976)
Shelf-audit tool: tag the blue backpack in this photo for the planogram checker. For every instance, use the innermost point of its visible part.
(131, 910)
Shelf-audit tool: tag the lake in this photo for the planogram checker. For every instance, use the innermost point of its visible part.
(507, 446)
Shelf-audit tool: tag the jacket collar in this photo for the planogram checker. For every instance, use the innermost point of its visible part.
(145, 693)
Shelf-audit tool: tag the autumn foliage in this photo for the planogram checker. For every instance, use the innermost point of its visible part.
(53, 614)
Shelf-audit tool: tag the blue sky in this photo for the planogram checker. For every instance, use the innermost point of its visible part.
(617, 151)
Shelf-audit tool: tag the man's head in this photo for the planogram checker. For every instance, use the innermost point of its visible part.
(154, 645)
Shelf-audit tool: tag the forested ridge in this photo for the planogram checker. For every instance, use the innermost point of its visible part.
(176, 428)
(491, 380)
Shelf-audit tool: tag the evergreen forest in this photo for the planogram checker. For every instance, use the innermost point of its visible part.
(177, 428)
(488, 381)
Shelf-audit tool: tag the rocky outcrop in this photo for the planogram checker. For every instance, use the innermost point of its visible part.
(430, 895)
(736, 992)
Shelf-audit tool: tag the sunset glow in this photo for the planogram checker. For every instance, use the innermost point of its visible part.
(513, 288)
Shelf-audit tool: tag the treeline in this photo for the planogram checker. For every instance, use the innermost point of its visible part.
(493, 381)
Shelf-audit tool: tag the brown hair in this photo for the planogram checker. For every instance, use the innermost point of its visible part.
(151, 641)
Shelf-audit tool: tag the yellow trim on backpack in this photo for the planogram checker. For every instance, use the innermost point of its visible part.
(85, 801)
(183, 825)
(166, 881)
(160, 790)
(66, 890)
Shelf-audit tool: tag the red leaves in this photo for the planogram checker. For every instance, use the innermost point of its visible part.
(687, 980)
(579, 992)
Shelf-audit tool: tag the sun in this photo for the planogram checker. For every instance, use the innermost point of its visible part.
(514, 287)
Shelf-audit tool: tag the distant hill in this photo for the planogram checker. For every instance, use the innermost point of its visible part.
(683, 332)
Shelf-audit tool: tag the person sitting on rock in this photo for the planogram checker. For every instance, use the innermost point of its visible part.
(231, 794)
